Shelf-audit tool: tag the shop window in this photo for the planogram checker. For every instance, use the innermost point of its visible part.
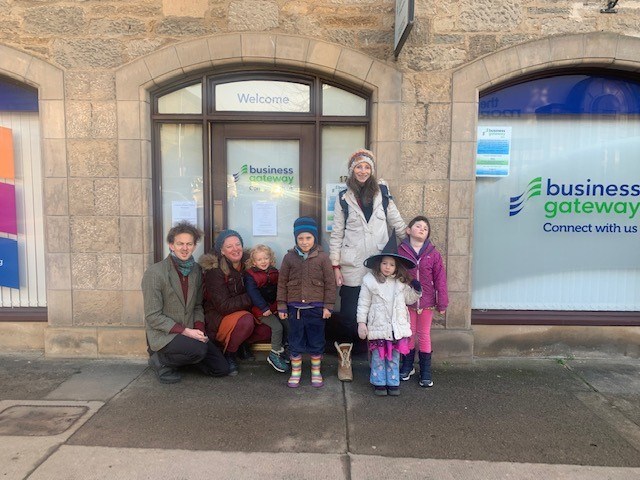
(22, 273)
(557, 201)
(268, 148)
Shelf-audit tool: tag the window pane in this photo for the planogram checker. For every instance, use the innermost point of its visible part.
(563, 95)
(263, 191)
(263, 96)
(185, 100)
(181, 156)
(15, 98)
(337, 144)
(342, 103)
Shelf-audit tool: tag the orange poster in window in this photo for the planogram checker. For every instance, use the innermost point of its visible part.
(6, 154)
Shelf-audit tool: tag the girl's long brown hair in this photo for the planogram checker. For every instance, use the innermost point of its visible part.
(402, 274)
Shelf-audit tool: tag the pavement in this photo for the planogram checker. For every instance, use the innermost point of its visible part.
(512, 418)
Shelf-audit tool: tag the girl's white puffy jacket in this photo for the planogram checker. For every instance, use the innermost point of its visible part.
(355, 240)
(383, 307)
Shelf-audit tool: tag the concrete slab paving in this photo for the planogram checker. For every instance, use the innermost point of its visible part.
(99, 380)
(383, 468)
(31, 376)
(100, 463)
(524, 412)
(617, 380)
(254, 411)
(20, 454)
(492, 418)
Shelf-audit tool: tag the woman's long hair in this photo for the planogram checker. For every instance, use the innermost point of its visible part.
(365, 191)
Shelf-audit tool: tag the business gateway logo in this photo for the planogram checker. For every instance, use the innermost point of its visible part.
(516, 204)
(266, 174)
(576, 202)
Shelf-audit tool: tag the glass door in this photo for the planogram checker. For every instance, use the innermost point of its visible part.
(263, 178)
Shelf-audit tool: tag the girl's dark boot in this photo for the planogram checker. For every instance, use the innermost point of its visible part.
(424, 360)
(406, 368)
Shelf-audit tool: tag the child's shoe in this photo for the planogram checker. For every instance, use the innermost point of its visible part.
(393, 391)
(285, 355)
(316, 376)
(296, 372)
(425, 369)
(276, 361)
(407, 369)
(380, 391)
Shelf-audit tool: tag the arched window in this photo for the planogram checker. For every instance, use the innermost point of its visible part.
(557, 202)
(252, 151)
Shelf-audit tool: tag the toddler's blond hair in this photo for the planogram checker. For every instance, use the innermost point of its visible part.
(261, 248)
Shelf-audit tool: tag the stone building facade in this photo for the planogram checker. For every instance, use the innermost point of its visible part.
(95, 65)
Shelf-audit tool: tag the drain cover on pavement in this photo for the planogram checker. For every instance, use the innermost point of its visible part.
(35, 420)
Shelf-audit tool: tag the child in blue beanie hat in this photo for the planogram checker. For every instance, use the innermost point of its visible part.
(306, 296)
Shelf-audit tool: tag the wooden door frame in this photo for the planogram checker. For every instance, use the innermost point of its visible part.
(215, 198)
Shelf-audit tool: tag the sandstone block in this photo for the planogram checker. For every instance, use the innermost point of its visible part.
(122, 342)
(93, 158)
(97, 307)
(81, 196)
(70, 342)
(54, 20)
(109, 270)
(106, 196)
(87, 53)
(57, 234)
(253, 15)
(90, 85)
(84, 267)
(482, 16)
(95, 234)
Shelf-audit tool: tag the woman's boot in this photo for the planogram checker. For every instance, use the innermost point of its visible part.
(425, 369)
(345, 373)
(407, 369)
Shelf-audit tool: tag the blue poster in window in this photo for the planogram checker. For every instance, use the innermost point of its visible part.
(493, 151)
(9, 263)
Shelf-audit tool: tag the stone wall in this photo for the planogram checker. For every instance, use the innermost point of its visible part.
(97, 185)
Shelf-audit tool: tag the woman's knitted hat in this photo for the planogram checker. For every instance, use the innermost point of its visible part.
(222, 236)
(362, 156)
(305, 224)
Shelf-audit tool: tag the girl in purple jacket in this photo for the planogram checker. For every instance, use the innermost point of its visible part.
(431, 274)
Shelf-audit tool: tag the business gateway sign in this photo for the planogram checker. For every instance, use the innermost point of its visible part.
(589, 206)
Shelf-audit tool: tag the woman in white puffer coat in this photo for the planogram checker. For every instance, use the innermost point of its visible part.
(383, 317)
(360, 229)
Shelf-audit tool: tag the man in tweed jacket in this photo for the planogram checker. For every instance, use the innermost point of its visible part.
(172, 292)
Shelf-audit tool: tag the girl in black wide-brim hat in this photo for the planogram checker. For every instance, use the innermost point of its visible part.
(383, 317)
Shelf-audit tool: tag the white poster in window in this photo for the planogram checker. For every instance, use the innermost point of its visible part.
(493, 151)
(330, 203)
(265, 219)
(184, 211)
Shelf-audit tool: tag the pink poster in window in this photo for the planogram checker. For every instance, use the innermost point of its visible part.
(8, 222)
